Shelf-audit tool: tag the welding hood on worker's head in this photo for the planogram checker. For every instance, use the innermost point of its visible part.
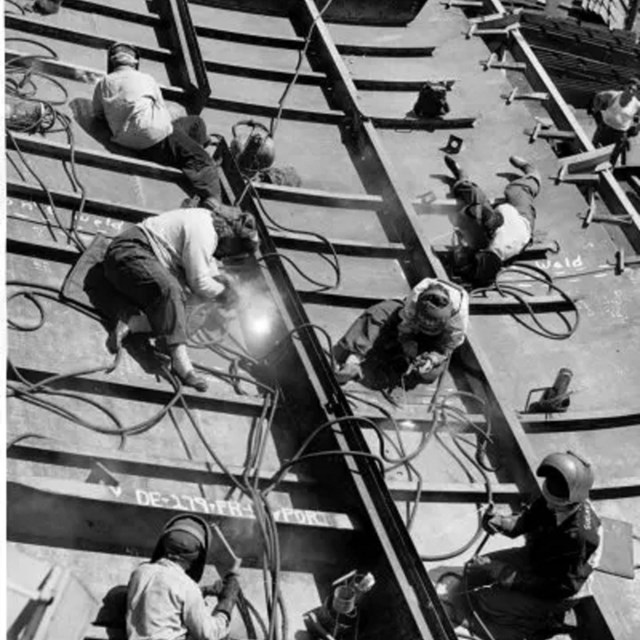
(568, 478)
(197, 530)
(433, 309)
(121, 54)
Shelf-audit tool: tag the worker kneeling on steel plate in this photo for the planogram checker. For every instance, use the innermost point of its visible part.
(132, 104)
(492, 234)
(405, 341)
(529, 589)
(152, 264)
(164, 601)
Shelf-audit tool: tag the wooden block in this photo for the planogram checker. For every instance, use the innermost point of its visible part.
(588, 161)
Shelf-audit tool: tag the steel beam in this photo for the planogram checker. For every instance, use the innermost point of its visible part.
(126, 517)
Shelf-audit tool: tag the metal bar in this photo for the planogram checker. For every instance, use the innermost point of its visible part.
(384, 51)
(183, 36)
(265, 73)
(422, 124)
(129, 164)
(477, 306)
(127, 517)
(30, 25)
(105, 9)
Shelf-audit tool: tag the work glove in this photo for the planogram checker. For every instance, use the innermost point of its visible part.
(228, 594)
(493, 523)
(214, 589)
(409, 348)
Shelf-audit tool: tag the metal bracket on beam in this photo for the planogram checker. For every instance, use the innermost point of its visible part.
(493, 62)
(534, 95)
(464, 4)
(543, 129)
(497, 31)
(591, 210)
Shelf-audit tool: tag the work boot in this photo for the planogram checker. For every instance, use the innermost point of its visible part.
(458, 172)
(182, 367)
(349, 370)
(524, 165)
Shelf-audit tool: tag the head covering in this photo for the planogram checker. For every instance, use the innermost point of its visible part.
(236, 229)
(488, 264)
(491, 220)
(433, 309)
(568, 478)
(122, 54)
(185, 538)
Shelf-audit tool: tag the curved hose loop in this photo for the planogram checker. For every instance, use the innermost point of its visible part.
(334, 262)
(52, 53)
(31, 297)
(508, 289)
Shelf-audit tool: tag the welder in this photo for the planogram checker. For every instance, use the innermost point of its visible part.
(530, 588)
(132, 104)
(163, 598)
(617, 114)
(151, 265)
(405, 341)
(493, 233)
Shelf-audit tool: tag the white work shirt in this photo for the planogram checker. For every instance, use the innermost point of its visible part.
(514, 234)
(164, 603)
(133, 106)
(615, 116)
(184, 240)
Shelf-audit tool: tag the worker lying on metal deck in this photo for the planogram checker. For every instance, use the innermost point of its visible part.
(132, 104)
(405, 340)
(163, 597)
(491, 234)
(530, 588)
(152, 264)
(618, 116)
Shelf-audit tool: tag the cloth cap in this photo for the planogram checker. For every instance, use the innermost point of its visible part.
(121, 54)
(491, 220)
(187, 538)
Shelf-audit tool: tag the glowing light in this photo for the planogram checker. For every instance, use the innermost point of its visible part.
(408, 424)
(260, 325)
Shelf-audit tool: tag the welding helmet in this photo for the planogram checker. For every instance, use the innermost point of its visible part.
(252, 146)
(121, 54)
(433, 309)
(567, 478)
(186, 538)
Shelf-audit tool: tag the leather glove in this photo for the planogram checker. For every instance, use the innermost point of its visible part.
(495, 523)
(229, 594)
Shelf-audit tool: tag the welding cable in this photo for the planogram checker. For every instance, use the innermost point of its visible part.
(70, 236)
(301, 55)
(474, 612)
(535, 274)
(22, 8)
(332, 260)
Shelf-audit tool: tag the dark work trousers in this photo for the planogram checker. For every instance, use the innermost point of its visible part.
(374, 337)
(184, 149)
(133, 269)
(520, 194)
(508, 613)
(606, 135)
